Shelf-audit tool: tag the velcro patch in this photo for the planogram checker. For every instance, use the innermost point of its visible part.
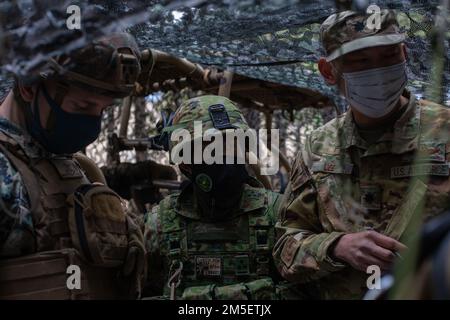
(332, 165)
(371, 197)
(432, 151)
(67, 168)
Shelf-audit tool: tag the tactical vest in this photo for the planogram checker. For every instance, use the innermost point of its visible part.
(42, 275)
(225, 260)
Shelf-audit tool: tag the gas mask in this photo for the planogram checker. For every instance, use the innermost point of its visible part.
(68, 132)
(218, 188)
(375, 92)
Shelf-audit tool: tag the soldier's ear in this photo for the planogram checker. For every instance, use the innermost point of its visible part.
(326, 70)
(27, 92)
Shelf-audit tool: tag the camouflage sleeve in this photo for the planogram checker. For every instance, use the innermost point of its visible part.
(152, 236)
(16, 223)
(301, 251)
(274, 203)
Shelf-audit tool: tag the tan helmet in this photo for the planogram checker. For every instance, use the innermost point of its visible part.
(109, 66)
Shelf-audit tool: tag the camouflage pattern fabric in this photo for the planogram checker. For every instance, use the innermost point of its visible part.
(427, 277)
(271, 40)
(222, 260)
(341, 184)
(35, 217)
(197, 109)
(349, 31)
(16, 224)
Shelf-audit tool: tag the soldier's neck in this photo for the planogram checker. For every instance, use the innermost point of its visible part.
(11, 110)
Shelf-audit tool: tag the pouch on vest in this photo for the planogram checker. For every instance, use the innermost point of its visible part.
(211, 292)
(198, 293)
(98, 225)
(261, 289)
(236, 291)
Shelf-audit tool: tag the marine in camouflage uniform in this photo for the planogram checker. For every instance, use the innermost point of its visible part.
(212, 240)
(352, 181)
(52, 214)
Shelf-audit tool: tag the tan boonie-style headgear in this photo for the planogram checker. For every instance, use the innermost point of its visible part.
(348, 31)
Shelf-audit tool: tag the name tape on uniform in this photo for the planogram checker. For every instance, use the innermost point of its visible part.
(420, 170)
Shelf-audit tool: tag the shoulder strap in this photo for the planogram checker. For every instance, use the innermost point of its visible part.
(408, 211)
(93, 172)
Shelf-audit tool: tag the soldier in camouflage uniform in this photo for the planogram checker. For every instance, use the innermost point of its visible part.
(359, 178)
(212, 240)
(51, 213)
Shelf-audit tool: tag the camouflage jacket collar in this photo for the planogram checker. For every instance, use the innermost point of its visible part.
(21, 138)
(403, 138)
(252, 199)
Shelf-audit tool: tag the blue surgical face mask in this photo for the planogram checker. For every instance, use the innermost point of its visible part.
(69, 132)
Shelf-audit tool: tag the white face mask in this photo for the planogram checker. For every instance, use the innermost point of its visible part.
(375, 92)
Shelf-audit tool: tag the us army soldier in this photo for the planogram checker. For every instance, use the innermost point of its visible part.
(350, 195)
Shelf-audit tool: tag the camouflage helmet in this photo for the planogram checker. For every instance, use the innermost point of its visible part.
(214, 112)
(109, 65)
(349, 31)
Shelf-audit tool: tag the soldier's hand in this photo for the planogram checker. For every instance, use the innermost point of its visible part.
(366, 248)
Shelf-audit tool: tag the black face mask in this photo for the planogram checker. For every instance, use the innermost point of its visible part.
(70, 133)
(218, 188)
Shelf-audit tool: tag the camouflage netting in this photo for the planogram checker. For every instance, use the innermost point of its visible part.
(280, 43)
(273, 40)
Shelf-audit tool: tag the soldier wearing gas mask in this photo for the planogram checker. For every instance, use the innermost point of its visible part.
(212, 240)
(52, 216)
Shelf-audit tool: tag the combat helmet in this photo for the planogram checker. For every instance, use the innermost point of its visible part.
(108, 66)
(214, 112)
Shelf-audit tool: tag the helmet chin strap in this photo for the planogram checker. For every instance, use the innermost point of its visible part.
(60, 93)
(27, 107)
(24, 106)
